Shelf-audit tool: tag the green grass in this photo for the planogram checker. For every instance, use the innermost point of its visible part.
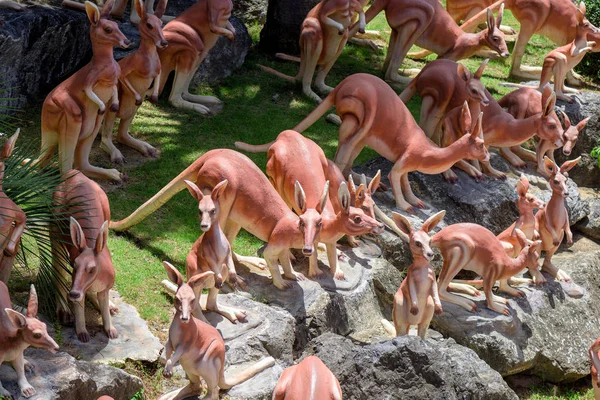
(251, 113)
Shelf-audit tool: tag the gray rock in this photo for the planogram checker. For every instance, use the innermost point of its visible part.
(251, 11)
(281, 32)
(590, 226)
(135, 341)
(324, 305)
(585, 105)
(547, 333)
(62, 377)
(408, 368)
(268, 332)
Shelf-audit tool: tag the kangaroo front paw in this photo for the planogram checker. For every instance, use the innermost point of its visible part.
(83, 337)
(114, 107)
(27, 390)
(112, 333)
(168, 371)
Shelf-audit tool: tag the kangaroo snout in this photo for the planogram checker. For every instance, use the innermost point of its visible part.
(75, 295)
(125, 43)
(308, 250)
(505, 54)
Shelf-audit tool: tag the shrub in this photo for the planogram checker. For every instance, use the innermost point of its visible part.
(591, 61)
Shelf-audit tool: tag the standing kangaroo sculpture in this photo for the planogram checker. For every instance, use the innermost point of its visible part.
(72, 113)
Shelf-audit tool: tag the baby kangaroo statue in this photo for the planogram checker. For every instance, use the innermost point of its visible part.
(212, 252)
(93, 271)
(198, 346)
(12, 218)
(417, 299)
(553, 220)
(17, 333)
(310, 379)
(475, 248)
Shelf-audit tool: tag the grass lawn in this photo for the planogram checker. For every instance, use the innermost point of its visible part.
(251, 113)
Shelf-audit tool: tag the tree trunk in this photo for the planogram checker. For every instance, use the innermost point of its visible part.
(282, 30)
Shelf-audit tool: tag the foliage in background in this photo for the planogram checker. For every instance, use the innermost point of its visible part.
(590, 63)
(596, 153)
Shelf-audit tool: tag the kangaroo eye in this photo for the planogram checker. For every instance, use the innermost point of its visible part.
(319, 224)
(107, 30)
(357, 220)
(419, 244)
(37, 335)
(149, 26)
(481, 146)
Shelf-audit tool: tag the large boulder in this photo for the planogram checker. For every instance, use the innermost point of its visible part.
(590, 225)
(281, 32)
(62, 377)
(547, 332)
(345, 307)
(587, 104)
(408, 368)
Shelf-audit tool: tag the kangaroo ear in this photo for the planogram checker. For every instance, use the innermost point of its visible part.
(92, 12)
(569, 165)
(194, 190)
(299, 197)
(16, 318)
(478, 130)
(32, 304)
(433, 221)
(522, 186)
(324, 197)
(548, 100)
(479, 72)
(77, 236)
(582, 7)
(490, 20)
(465, 119)
(105, 12)
(582, 123)
(351, 185)
(219, 190)
(360, 192)
(102, 238)
(199, 279)
(9, 145)
(566, 120)
(173, 274)
(550, 166)
(344, 197)
(160, 8)
(140, 8)
(463, 72)
(374, 184)
(500, 15)
(404, 225)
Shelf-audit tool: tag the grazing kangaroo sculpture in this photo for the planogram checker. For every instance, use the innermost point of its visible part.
(198, 346)
(475, 248)
(443, 86)
(93, 271)
(552, 221)
(191, 36)
(293, 160)
(427, 24)
(72, 113)
(417, 299)
(139, 71)
(370, 110)
(558, 20)
(323, 35)
(17, 333)
(12, 218)
(242, 205)
(310, 379)
(525, 102)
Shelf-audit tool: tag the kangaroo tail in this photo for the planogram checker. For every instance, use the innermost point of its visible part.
(228, 383)
(516, 85)
(251, 148)
(389, 223)
(472, 23)
(74, 4)
(287, 57)
(389, 328)
(171, 189)
(170, 286)
(418, 55)
(277, 73)
(317, 113)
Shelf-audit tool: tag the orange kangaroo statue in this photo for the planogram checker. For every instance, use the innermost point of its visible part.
(310, 379)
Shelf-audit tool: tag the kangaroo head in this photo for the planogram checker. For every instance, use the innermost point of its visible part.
(150, 26)
(472, 136)
(362, 196)
(473, 86)
(494, 37)
(222, 8)
(310, 222)
(531, 249)
(185, 298)
(33, 330)
(88, 263)
(558, 176)
(584, 27)
(354, 220)
(103, 30)
(418, 240)
(549, 125)
(208, 206)
(571, 133)
(526, 202)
